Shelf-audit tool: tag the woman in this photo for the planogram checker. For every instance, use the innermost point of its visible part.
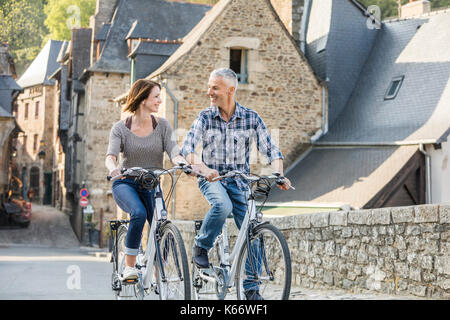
(142, 138)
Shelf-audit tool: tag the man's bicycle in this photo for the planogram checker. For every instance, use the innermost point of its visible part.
(260, 258)
(163, 266)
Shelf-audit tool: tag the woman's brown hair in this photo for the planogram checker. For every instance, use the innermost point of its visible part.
(139, 91)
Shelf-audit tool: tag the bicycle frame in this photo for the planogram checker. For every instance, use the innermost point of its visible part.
(152, 250)
(224, 247)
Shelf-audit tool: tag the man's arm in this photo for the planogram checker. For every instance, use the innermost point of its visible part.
(267, 147)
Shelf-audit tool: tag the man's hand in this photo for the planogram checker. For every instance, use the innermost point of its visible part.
(286, 185)
(210, 174)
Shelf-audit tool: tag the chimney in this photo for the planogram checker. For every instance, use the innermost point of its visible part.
(6, 61)
(290, 13)
(415, 8)
(104, 12)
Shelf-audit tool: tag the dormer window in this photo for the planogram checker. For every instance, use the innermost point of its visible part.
(393, 88)
(238, 63)
(132, 44)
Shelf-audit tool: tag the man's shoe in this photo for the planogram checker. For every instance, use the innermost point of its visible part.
(201, 257)
(253, 295)
(129, 273)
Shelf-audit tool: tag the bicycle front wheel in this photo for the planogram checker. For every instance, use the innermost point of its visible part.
(265, 267)
(172, 269)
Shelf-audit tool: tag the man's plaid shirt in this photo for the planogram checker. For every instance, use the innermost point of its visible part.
(226, 145)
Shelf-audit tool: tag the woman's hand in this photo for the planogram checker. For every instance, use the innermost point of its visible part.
(114, 172)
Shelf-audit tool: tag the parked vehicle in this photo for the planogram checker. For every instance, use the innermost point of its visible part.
(15, 213)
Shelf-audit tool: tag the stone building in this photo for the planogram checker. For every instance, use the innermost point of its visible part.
(97, 68)
(74, 58)
(9, 129)
(275, 79)
(35, 115)
(389, 115)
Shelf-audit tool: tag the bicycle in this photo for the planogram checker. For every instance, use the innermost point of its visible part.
(164, 258)
(259, 257)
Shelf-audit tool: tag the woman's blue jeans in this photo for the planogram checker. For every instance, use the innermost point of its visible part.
(137, 202)
(224, 200)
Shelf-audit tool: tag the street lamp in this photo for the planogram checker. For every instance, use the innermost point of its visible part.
(41, 155)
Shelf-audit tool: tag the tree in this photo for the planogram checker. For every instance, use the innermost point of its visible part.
(22, 27)
(63, 15)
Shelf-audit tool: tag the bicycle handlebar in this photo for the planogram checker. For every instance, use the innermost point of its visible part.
(275, 176)
(158, 172)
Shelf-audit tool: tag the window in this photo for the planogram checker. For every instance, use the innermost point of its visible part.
(36, 110)
(24, 143)
(238, 63)
(393, 88)
(35, 143)
(26, 111)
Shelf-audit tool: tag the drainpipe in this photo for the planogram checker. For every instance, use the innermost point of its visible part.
(324, 128)
(175, 127)
(427, 174)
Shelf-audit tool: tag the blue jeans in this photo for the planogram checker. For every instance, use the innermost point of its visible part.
(139, 203)
(224, 200)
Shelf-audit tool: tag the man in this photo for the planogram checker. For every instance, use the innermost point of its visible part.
(226, 129)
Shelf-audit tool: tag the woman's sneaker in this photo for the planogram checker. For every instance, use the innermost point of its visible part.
(129, 273)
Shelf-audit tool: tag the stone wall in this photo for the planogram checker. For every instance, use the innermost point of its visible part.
(100, 114)
(402, 250)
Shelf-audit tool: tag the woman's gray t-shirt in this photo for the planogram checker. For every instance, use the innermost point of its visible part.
(145, 152)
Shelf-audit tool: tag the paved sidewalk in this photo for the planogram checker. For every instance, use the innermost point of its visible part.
(49, 227)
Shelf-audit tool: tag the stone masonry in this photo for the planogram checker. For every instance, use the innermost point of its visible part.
(397, 251)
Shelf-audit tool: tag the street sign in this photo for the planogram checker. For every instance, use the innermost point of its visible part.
(88, 209)
(84, 193)
(83, 202)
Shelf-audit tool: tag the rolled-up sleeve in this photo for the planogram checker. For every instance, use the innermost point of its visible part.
(115, 141)
(193, 137)
(265, 143)
(170, 143)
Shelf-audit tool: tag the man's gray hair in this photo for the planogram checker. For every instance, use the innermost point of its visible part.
(227, 74)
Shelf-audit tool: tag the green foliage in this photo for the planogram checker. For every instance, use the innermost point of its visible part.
(22, 26)
(389, 8)
(63, 15)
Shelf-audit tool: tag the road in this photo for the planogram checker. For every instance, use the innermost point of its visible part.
(46, 261)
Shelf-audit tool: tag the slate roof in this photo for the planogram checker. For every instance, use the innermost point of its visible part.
(8, 83)
(4, 113)
(159, 19)
(353, 176)
(102, 35)
(419, 50)
(338, 43)
(159, 49)
(416, 48)
(43, 66)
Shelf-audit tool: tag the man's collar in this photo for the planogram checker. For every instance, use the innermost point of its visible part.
(238, 112)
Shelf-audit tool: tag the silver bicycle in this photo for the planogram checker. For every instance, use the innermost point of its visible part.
(162, 265)
(260, 259)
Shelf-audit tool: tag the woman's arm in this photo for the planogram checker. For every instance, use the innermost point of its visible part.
(112, 166)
